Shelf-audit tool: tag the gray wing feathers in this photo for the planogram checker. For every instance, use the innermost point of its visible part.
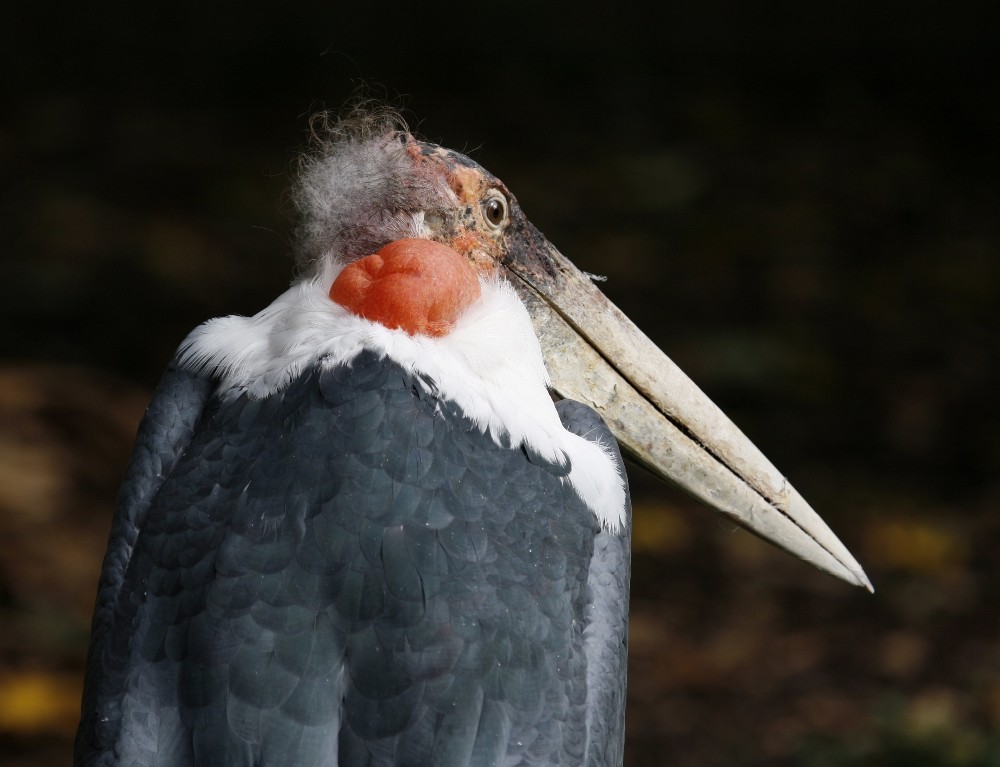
(165, 431)
(606, 631)
(605, 644)
(350, 573)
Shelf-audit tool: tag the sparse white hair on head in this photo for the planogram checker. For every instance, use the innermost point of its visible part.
(358, 189)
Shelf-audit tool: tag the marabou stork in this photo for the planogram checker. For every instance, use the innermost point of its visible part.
(357, 530)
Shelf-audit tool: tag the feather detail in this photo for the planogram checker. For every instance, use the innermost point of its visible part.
(490, 366)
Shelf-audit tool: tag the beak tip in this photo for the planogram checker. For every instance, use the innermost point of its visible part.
(863, 581)
(858, 575)
(848, 569)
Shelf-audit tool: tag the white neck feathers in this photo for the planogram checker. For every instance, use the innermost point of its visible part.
(490, 365)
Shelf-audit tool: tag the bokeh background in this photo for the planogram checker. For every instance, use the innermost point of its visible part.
(799, 202)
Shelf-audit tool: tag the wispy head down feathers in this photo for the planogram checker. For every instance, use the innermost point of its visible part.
(358, 189)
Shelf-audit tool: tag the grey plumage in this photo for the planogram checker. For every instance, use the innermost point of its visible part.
(349, 572)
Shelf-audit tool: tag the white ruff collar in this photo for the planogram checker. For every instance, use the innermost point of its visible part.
(490, 365)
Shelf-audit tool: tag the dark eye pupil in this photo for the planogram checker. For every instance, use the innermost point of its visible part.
(494, 211)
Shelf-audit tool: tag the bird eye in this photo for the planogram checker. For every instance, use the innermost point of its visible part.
(495, 210)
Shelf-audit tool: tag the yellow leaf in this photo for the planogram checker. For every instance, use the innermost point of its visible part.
(915, 545)
(33, 702)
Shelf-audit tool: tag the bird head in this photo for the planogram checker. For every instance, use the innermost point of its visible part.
(373, 184)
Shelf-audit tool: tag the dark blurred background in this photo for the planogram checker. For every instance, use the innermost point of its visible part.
(798, 202)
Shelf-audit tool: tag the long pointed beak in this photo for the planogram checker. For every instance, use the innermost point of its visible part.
(662, 420)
